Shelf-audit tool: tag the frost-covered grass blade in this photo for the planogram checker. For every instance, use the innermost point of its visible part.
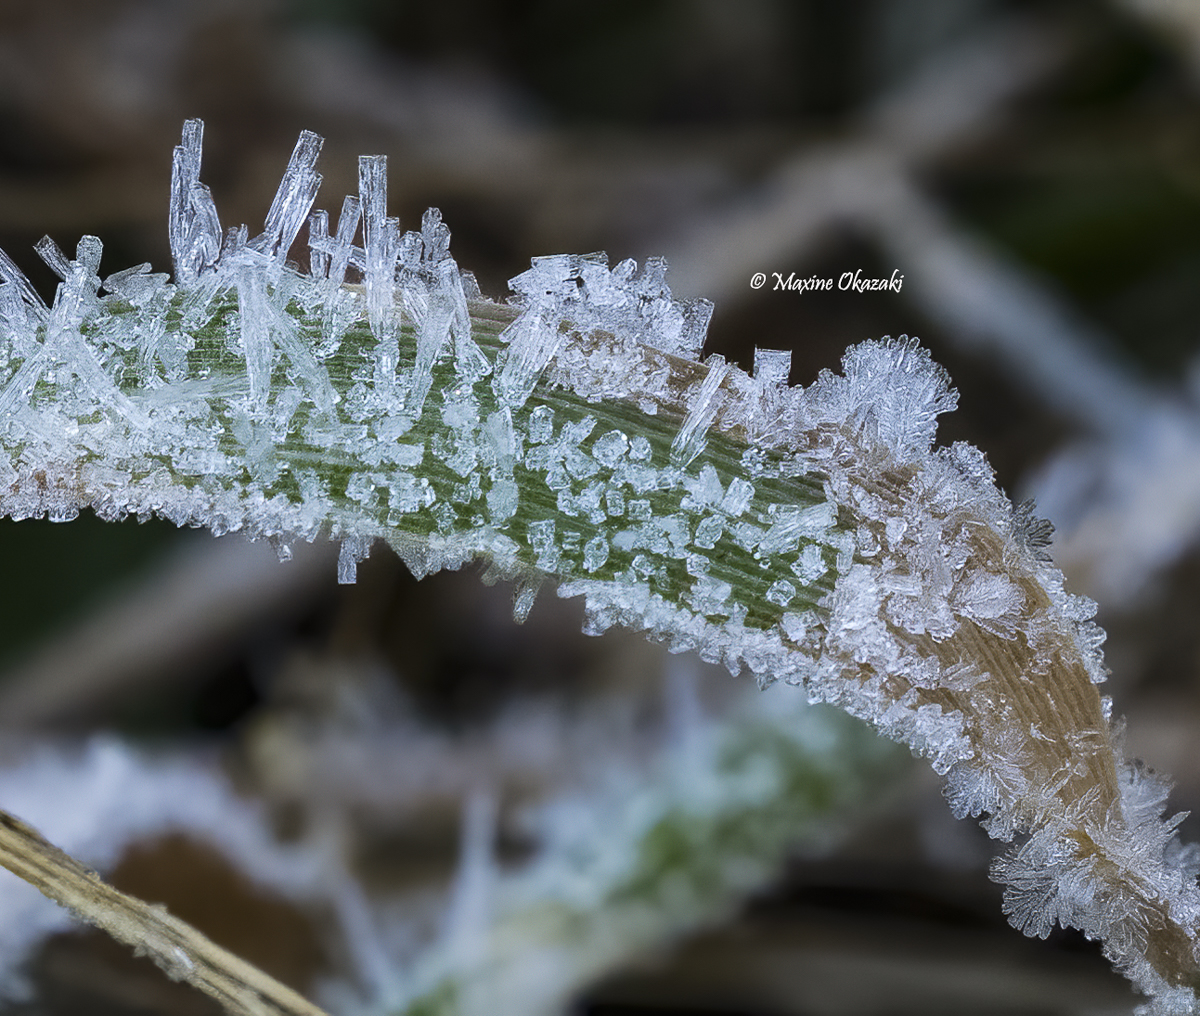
(813, 535)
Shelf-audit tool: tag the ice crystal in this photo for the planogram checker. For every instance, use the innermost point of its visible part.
(814, 536)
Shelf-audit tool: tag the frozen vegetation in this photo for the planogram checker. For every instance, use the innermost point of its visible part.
(814, 536)
(625, 863)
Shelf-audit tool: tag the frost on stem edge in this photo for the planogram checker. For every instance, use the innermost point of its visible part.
(811, 534)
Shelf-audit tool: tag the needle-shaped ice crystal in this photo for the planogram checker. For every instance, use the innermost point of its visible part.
(293, 198)
(195, 229)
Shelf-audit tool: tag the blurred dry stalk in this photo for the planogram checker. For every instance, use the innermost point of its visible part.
(176, 947)
(1178, 20)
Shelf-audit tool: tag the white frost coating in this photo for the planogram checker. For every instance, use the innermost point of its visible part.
(902, 416)
(810, 535)
(578, 294)
(599, 889)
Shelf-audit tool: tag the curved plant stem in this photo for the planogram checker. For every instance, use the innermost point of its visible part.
(814, 536)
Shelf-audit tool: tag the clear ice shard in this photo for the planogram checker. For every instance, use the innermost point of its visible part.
(702, 410)
(331, 256)
(258, 344)
(565, 295)
(195, 229)
(432, 291)
(55, 259)
(535, 336)
(294, 197)
(319, 244)
(795, 524)
(12, 275)
(772, 366)
(380, 250)
(354, 549)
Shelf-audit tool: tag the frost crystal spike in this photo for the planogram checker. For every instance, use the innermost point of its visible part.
(295, 196)
(690, 440)
(11, 275)
(814, 536)
(195, 229)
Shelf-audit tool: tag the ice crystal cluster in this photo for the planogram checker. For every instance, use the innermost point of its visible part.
(810, 534)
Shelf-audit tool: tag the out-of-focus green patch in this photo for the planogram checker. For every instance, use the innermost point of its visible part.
(55, 571)
(1097, 186)
(1123, 240)
(1097, 236)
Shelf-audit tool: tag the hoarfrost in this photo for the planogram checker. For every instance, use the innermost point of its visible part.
(810, 565)
(609, 449)
(737, 499)
(639, 449)
(541, 425)
(989, 598)
(891, 390)
(353, 550)
(294, 197)
(595, 553)
(772, 366)
(792, 525)
(195, 229)
(781, 592)
(709, 531)
(380, 242)
(840, 552)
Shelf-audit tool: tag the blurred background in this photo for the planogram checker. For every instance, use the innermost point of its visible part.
(1031, 168)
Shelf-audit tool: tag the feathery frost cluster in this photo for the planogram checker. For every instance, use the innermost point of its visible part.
(809, 534)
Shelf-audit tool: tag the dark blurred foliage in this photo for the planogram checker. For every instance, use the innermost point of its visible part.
(65, 564)
(639, 65)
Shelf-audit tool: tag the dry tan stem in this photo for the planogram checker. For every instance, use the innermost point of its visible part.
(178, 948)
(1057, 698)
